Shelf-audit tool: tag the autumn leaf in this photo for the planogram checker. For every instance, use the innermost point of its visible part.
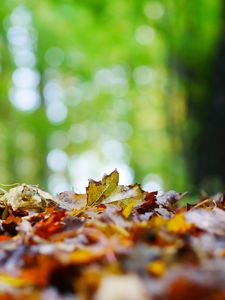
(179, 224)
(51, 244)
(45, 228)
(169, 199)
(148, 204)
(126, 197)
(26, 196)
(97, 191)
(210, 221)
(12, 281)
(72, 200)
(156, 268)
(108, 191)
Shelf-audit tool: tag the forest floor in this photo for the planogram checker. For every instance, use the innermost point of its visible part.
(114, 242)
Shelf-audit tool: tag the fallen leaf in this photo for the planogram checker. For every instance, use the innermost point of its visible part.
(156, 268)
(179, 224)
(72, 200)
(211, 221)
(108, 191)
(169, 199)
(97, 191)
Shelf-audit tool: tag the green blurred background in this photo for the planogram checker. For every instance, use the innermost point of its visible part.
(89, 86)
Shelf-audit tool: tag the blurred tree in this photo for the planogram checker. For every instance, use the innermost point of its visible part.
(90, 86)
(211, 159)
(193, 59)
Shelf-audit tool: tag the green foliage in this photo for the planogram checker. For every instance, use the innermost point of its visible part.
(109, 88)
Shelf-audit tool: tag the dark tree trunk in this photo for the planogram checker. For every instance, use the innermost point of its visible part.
(211, 161)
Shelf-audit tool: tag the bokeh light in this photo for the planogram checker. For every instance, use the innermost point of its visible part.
(87, 88)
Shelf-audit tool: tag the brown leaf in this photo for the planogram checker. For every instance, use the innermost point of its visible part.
(211, 221)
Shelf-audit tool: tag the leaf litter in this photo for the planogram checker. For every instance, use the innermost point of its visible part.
(115, 242)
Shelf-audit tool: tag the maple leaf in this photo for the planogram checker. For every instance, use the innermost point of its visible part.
(97, 191)
(108, 191)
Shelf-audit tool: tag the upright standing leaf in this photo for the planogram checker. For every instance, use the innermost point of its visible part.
(97, 191)
(108, 191)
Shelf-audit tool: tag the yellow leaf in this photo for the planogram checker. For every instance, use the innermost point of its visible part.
(97, 191)
(178, 224)
(127, 210)
(156, 268)
(12, 281)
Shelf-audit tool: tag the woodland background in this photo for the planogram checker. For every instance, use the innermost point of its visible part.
(89, 86)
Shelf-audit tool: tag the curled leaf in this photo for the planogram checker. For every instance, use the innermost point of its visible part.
(26, 197)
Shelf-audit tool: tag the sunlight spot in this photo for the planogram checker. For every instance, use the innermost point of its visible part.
(54, 57)
(113, 79)
(53, 92)
(25, 99)
(56, 112)
(25, 78)
(154, 10)
(78, 133)
(113, 150)
(57, 160)
(103, 78)
(24, 58)
(58, 139)
(145, 35)
(57, 183)
(20, 16)
(74, 95)
(153, 182)
(82, 167)
(18, 36)
(122, 131)
(90, 165)
(143, 75)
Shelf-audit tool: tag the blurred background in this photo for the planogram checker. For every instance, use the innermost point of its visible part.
(87, 86)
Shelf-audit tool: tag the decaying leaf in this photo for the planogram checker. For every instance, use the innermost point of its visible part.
(30, 197)
(210, 221)
(169, 199)
(71, 200)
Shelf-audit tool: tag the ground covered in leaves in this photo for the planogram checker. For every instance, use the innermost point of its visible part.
(112, 243)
